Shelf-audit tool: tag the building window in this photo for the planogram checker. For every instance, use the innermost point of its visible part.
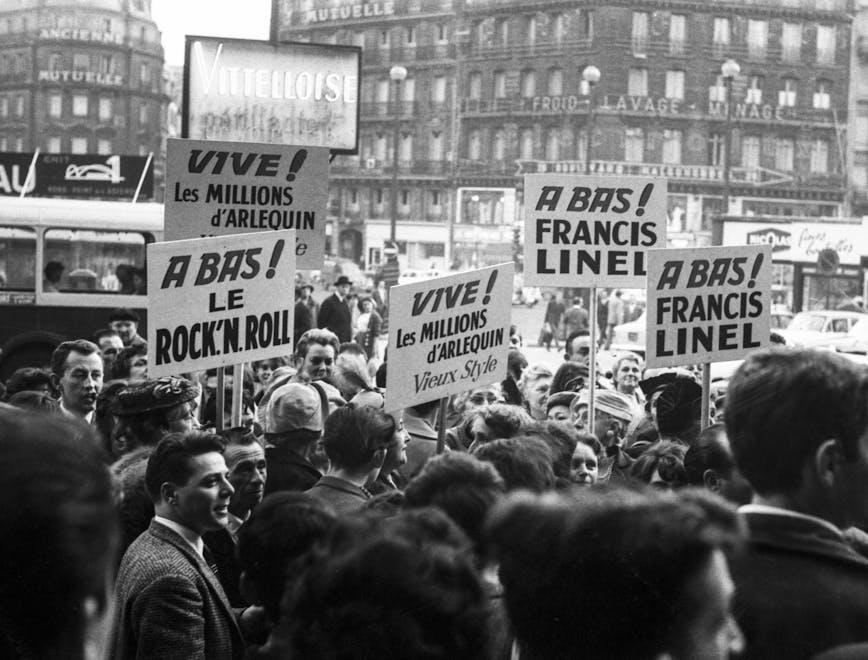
(383, 90)
(435, 145)
(757, 39)
(823, 96)
(556, 82)
(359, 39)
(787, 96)
(639, 32)
(435, 198)
(53, 145)
(405, 198)
(4, 107)
(553, 140)
(80, 61)
(378, 196)
(528, 84)
(716, 149)
(104, 147)
(860, 126)
(143, 115)
(826, 38)
(55, 62)
(55, 106)
(438, 89)
(526, 144)
(408, 90)
(380, 147)
(531, 30)
(105, 109)
(677, 34)
(819, 157)
(754, 92)
(784, 152)
(586, 24)
(720, 35)
(19, 144)
(106, 65)
(410, 36)
(499, 84)
(637, 82)
(474, 90)
(672, 147)
(19, 105)
(145, 74)
(634, 145)
(557, 28)
(384, 39)
(406, 148)
(4, 141)
(499, 149)
(675, 85)
(750, 152)
(791, 42)
(474, 146)
(502, 30)
(79, 145)
(442, 33)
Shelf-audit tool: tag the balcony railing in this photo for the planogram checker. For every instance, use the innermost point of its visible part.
(548, 47)
(374, 167)
(485, 6)
(384, 109)
(406, 54)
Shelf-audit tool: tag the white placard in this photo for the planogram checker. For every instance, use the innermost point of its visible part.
(591, 230)
(219, 301)
(707, 304)
(225, 188)
(448, 335)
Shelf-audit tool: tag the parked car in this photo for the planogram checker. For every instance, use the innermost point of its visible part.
(856, 339)
(820, 329)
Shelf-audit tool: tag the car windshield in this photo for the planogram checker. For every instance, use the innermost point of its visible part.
(807, 322)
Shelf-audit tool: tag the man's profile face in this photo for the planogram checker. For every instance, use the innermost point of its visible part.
(319, 361)
(711, 632)
(125, 329)
(247, 474)
(110, 346)
(202, 503)
(580, 350)
(81, 382)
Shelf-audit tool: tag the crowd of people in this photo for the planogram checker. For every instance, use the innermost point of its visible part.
(323, 526)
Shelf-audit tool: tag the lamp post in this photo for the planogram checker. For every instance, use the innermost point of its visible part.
(397, 75)
(729, 69)
(591, 75)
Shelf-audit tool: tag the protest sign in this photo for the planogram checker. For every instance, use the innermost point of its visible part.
(707, 304)
(448, 335)
(223, 188)
(219, 301)
(591, 230)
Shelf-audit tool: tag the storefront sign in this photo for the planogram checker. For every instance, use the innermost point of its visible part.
(802, 242)
(82, 34)
(243, 90)
(328, 11)
(75, 175)
(109, 79)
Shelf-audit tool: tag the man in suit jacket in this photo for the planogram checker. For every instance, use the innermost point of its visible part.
(798, 424)
(334, 313)
(169, 602)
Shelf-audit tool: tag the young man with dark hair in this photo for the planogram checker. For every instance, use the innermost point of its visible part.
(169, 602)
(356, 441)
(709, 463)
(60, 537)
(641, 576)
(798, 424)
(77, 373)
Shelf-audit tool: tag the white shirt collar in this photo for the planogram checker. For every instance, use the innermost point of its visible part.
(185, 533)
(87, 418)
(777, 511)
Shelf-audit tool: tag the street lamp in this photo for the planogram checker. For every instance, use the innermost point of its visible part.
(729, 69)
(591, 75)
(397, 74)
